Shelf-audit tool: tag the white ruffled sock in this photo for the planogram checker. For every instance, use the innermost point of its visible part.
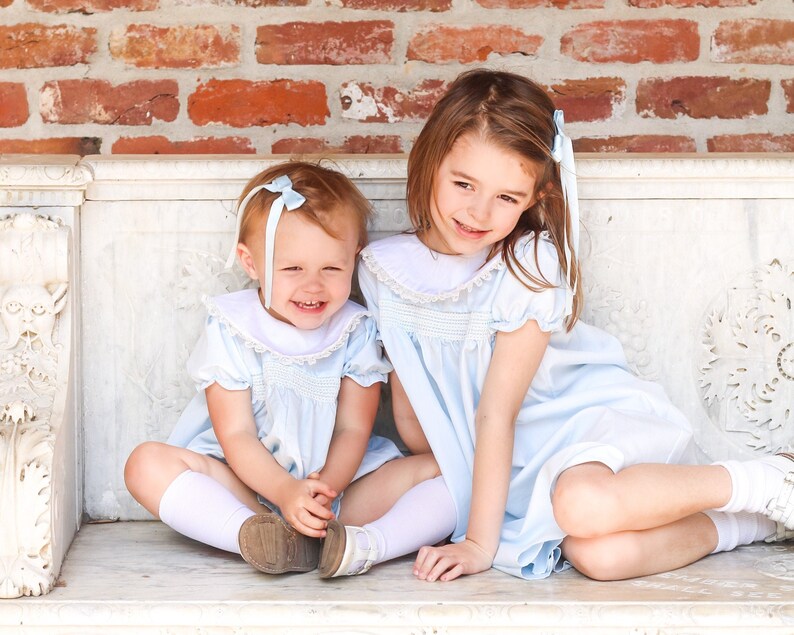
(743, 528)
(755, 482)
(199, 507)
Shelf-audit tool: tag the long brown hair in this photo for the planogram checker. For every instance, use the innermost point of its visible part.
(516, 114)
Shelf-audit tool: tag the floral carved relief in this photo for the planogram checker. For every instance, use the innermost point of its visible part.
(746, 364)
(29, 349)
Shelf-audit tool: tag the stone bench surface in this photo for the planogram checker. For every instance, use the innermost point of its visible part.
(141, 577)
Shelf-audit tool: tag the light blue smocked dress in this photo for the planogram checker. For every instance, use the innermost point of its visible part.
(294, 376)
(438, 316)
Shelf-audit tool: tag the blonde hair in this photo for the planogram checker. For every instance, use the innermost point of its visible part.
(328, 194)
(516, 114)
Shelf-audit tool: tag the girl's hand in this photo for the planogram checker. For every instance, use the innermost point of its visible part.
(320, 498)
(451, 561)
(302, 510)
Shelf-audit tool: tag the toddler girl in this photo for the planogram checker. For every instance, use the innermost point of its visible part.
(552, 450)
(289, 380)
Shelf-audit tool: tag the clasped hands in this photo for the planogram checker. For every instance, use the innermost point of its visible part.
(306, 504)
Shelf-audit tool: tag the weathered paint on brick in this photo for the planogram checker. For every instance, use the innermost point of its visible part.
(14, 109)
(253, 4)
(363, 42)
(91, 6)
(356, 144)
(592, 99)
(788, 90)
(399, 6)
(703, 97)
(533, 4)
(751, 143)
(439, 43)
(31, 45)
(635, 143)
(633, 41)
(138, 103)
(754, 41)
(59, 145)
(196, 46)
(241, 103)
(654, 4)
(158, 144)
(368, 103)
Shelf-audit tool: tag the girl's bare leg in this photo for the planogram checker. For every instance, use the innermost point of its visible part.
(590, 500)
(371, 496)
(630, 554)
(153, 466)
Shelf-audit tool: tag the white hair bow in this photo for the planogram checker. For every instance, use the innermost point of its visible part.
(290, 200)
(562, 153)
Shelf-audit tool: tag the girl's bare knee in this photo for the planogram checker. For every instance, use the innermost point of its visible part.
(582, 507)
(145, 461)
(605, 558)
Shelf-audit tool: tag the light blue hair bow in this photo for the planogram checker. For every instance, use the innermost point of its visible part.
(290, 200)
(562, 153)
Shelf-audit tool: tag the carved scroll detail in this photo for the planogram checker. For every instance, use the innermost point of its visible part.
(29, 386)
(746, 360)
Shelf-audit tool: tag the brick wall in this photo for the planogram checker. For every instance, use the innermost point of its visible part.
(359, 76)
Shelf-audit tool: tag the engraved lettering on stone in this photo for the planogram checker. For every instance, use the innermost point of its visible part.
(747, 359)
(779, 566)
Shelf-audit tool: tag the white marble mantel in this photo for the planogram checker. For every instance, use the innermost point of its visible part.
(687, 259)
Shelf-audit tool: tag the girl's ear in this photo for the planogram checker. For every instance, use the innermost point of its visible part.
(247, 261)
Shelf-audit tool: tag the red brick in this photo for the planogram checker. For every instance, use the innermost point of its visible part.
(633, 41)
(533, 4)
(5, 3)
(591, 99)
(71, 101)
(356, 144)
(241, 103)
(754, 41)
(400, 6)
(31, 45)
(253, 4)
(635, 143)
(162, 145)
(751, 143)
(654, 4)
(788, 89)
(62, 145)
(702, 97)
(438, 43)
(14, 109)
(367, 103)
(197, 46)
(339, 43)
(91, 6)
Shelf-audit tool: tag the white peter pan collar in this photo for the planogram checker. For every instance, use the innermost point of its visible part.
(244, 316)
(430, 276)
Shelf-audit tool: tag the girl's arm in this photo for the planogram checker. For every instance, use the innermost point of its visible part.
(405, 419)
(355, 418)
(515, 360)
(233, 422)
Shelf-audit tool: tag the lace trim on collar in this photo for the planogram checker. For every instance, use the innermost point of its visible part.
(383, 276)
(260, 347)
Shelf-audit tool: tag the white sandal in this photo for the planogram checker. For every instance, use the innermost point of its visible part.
(781, 508)
(781, 534)
(342, 554)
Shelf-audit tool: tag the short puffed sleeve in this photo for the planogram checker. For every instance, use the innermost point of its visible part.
(218, 358)
(515, 304)
(364, 360)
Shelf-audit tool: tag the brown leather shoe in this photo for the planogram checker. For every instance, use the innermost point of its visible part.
(269, 544)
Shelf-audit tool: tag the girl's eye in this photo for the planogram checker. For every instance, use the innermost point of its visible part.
(291, 269)
(333, 269)
(508, 199)
(463, 185)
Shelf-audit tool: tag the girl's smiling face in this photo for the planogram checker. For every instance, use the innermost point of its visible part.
(312, 271)
(479, 192)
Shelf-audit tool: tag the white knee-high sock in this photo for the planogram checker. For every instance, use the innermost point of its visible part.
(424, 515)
(199, 507)
(743, 528)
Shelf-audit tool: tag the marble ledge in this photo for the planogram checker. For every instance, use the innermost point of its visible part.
(141, 577)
